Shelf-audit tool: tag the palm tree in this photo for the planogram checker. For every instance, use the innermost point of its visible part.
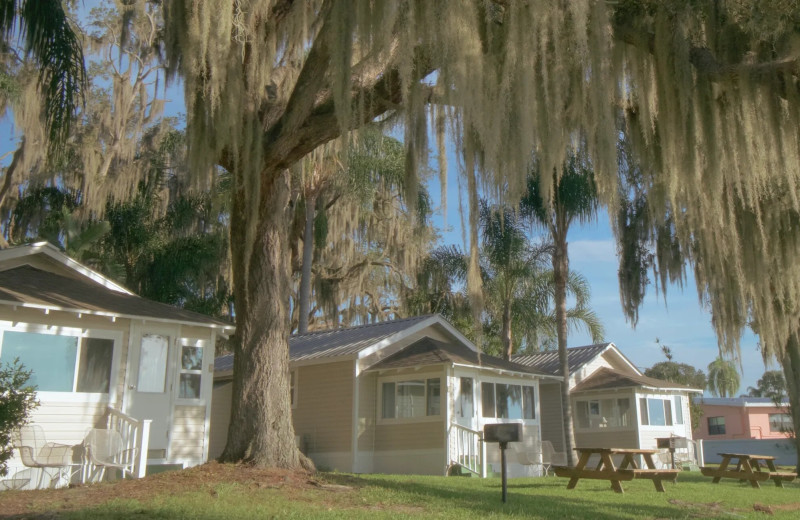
(574, 198)
(518, 288)
(50, 39)
(723, 378)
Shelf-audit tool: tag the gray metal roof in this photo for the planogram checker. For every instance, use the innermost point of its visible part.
(32, 286)
(335, 342)
(428, 351)
(547, 362)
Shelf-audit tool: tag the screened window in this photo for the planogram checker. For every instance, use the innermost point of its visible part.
(678, 409)
(716, 426)
(603, 413)
(655, 412)
(780, 422)
(293, 387)
(505, 401)
(466, 399)
(410, 399)
(61, 363)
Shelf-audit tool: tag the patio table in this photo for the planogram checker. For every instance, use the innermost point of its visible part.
(607, 470)
(749, 467)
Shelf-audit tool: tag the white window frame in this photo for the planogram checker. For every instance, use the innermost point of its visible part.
(669, 418)
(187, 342)
(412, 377)
(53, 330)
(478, 397)
(783, 414)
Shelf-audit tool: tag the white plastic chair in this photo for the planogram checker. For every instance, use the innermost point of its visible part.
(551, 457)
(106, 449)
(36, 452)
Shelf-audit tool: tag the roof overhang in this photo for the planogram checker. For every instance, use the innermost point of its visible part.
(399, 336)
(52, 252)
(113, 316)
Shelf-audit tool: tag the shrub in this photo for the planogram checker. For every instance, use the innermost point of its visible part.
(17, 401)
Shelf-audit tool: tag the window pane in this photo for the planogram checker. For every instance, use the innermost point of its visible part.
(668, 411)
(678, 410)
(410, 398)
(514, 401)
(716, 425)
(190, 386)
(94, 366)
(191, 358)
(465, 398)
(656, 411)
(50, 357)
(643, 411)
(434, 397)
(153, 364)
(388, 400)
(487, 399)
(624, 411)
(780, 422)
(583, 414)
(291, 387)
(528, 403)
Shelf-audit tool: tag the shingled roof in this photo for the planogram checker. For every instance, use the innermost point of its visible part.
(606, 378)
(548, 363)
(339, 342)
(428, 351)
(29, 286)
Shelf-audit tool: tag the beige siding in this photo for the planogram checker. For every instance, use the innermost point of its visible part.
(220, 418)
(68, 423)
(187, 433)
(323, 416)
(367, 409)
(610, 439)
(410, 436)
(550, 409)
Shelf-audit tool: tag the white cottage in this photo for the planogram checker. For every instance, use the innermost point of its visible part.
(103, 357)
(405, 396)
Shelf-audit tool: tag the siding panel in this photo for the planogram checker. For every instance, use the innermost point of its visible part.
(188, 431)
(323, 416)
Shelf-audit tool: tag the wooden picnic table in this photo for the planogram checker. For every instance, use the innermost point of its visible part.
(749, 467)
(607, 470)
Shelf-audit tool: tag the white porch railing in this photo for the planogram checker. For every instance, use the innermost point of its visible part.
(467, 449)
(135, 436)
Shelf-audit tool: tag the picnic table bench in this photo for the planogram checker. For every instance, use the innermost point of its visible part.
(749, 468)
(607, 470)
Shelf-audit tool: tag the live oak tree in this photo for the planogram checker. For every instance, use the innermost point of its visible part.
(706, 92)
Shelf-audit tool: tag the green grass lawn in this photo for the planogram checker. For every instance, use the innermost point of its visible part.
(384, 496)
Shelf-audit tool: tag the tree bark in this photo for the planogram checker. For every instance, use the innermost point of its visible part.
(508, 343)
(791, 371)
(304, 296)
(261, 430)
(560, 270)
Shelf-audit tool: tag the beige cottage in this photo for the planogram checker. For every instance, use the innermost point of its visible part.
(405, 396)
(103, 357)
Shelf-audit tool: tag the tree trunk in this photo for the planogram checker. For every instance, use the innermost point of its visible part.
(560, 270)
(791, 371)
(508, 344)
(304, 296)
(261, 430)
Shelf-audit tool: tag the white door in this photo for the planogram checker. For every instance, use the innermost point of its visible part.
(150, 381)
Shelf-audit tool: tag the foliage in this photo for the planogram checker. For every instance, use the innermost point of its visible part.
(17, 401)
(683, 374)
(723, 378)
(772, 384)
(56, 48)
(517, 289)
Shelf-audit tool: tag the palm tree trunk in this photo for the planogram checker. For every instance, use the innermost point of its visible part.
(261, 430)
(560, 271)
(791, 371)
(508, 344)
(304, 297)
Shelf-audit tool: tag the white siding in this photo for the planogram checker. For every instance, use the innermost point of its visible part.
(187, 434)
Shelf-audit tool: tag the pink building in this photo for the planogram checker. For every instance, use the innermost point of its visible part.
(742, 418)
